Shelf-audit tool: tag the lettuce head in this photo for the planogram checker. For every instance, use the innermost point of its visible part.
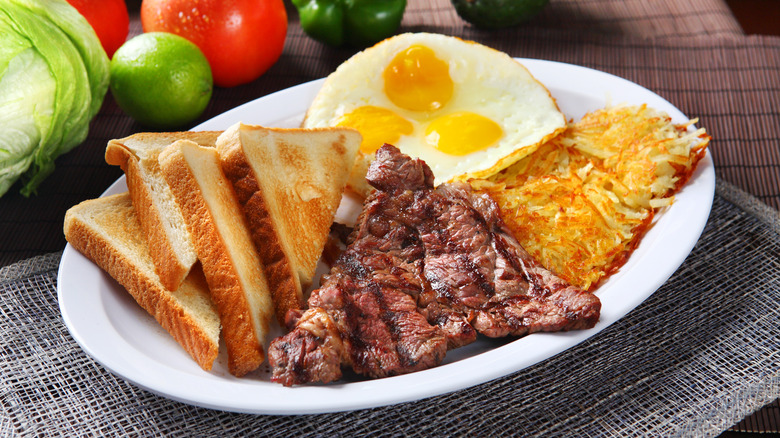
(53, 78)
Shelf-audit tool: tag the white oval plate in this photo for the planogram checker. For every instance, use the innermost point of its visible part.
(116, 332)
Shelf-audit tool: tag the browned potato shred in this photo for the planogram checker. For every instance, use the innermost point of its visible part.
(581, 203)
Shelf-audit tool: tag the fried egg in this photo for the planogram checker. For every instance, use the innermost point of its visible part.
(465, 109)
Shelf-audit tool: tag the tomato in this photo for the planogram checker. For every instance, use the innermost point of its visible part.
(241, 39)
(108, 18)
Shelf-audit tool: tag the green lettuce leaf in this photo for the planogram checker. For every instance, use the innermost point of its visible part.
(83, 37)
(27, 91)
(53, 77)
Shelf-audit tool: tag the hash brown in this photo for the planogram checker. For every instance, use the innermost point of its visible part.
(581, 203)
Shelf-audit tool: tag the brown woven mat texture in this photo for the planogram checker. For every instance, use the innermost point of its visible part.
(693, 53)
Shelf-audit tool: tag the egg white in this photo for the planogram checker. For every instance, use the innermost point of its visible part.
(486, 82)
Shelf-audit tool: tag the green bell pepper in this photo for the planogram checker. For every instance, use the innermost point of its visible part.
(358, 23)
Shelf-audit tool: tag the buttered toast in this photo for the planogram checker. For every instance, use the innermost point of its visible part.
(170, 245)
(107, 231)
(230, 262)
(289, 183)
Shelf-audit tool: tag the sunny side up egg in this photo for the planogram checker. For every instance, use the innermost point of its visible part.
(465, 109)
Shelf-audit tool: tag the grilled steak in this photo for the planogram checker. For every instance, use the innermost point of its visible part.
(425, 270)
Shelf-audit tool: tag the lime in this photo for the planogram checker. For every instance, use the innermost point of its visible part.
(161, 80)
(497, 14)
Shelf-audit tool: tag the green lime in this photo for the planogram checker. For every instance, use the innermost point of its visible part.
(161, 80)
(497, 14)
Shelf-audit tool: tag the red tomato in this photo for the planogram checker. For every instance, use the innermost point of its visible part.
(108, 18)
(240, 38)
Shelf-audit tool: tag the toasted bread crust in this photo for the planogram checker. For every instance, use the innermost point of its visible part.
(282, 281)
(169, 267)
(128, 153)
(107, 252)
(245, 352)
(116, 151)
(290, 182)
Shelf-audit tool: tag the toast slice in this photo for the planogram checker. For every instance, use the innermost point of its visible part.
(289, 183)
(222, 242)
(170, 245)
(107, 231)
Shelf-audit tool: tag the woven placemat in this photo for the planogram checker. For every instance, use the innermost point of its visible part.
(695, 358)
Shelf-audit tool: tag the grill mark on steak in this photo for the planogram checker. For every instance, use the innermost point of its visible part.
(521, 297)
(424, 271)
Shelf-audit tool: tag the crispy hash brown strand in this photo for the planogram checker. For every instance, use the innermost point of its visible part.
(425, 270)
(582, 202)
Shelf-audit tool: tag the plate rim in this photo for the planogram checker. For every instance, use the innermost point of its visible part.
(416, 386)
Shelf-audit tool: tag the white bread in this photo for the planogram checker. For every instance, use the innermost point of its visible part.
(230, 262)
(170, 244)
(107, 231)
(289, 183)
(357, 182)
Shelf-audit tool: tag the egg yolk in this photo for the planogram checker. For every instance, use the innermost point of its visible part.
(377, 126)
(462, 133)
(417, 80)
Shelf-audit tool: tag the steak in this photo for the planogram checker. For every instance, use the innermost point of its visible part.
(425, 270)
